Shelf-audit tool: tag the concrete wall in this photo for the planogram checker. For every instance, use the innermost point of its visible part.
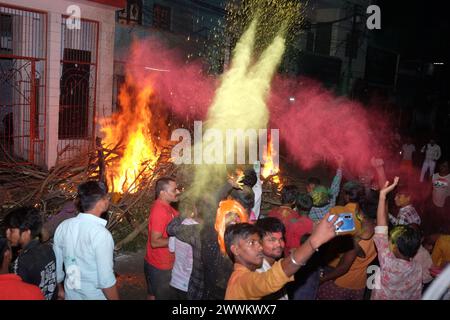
(105, 15)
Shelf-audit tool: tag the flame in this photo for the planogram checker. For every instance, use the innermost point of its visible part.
(131, 128)
(270, 169)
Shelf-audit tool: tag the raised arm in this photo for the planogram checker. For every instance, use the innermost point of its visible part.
(382, 218)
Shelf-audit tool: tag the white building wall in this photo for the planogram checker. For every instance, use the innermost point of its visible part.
(105, 15)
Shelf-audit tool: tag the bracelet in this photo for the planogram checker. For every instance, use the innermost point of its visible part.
(310, 244)
(295, 262)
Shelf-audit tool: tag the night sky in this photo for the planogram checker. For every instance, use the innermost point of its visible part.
(417, 29)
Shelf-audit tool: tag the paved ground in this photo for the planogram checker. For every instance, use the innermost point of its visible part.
(129, 267)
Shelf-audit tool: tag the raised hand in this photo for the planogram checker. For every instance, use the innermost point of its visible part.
(324, 231)
(388, 188)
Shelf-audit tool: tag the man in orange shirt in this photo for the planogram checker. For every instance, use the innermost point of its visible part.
(243, 245)
(159, 260)
(11, 286)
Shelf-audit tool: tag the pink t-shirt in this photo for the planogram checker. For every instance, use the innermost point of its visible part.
(398, 279)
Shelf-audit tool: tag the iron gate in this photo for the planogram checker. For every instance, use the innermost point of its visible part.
(77, 103)
(23, 38)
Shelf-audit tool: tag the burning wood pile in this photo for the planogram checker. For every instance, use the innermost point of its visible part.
(49, 190)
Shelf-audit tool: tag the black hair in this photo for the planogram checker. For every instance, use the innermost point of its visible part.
(249, 178)
(369, 209)
(161, 185)
(235, 232)
(245, 196)
(304, 202)
(314, 180)
(289, 194)
(89, 193)
(407, 239)
(271, 225)
(25, 218)
(3, 248)
(354, 191)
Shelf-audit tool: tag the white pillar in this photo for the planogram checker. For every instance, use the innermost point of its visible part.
(53, 86)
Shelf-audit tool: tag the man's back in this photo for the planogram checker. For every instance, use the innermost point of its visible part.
(37, 265)
(86, 248)
(217, 266)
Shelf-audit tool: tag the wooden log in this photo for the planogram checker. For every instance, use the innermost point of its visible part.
(139, 229)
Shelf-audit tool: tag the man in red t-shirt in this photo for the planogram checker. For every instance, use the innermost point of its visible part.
(11, 286)
(158, 260)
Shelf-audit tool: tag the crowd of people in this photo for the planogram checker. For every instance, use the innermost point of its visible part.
(223, 246)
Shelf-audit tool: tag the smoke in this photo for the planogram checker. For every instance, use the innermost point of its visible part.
(240, 101)
(183, 87)
(316, 125)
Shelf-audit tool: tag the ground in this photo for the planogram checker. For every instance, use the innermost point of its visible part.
(129, 267)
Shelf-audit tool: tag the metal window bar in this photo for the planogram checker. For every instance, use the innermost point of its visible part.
(77, 106)
(23, 45)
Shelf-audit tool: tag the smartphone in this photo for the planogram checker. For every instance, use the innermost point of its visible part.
(348, 224)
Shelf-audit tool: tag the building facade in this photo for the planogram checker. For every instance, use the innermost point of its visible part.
(56, 61)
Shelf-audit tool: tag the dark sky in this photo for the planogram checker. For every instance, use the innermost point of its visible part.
(417, 29)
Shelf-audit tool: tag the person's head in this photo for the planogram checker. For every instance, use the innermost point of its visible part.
(312, 183)
(93, 198)
(249, 179)
(166, 190)
(368, 211)
(304, 203)
(243, 245)
(273, 234)
(289, 195)
(432, 141)
(402, 197)
(320, 196)
(245, 197)
(443, 168)
(5, 255)
(353, 192)
(404, 242)
(22, 225)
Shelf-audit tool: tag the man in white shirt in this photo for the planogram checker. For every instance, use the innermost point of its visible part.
(432, 154)
(84, 249)
(441, 185)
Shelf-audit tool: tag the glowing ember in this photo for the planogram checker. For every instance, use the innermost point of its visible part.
(131, 128)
